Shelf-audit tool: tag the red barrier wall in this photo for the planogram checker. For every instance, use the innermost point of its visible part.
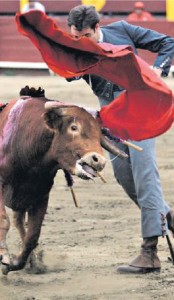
(59, 6)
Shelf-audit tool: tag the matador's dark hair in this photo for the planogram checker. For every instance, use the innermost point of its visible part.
(83, 16)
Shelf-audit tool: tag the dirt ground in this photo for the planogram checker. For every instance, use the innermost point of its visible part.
(81, 248)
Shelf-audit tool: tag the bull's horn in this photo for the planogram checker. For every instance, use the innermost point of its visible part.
(53, 104)
(57, 104)
(111, 147)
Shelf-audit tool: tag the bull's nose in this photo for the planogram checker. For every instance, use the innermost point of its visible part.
(95, 158)
(97, 161)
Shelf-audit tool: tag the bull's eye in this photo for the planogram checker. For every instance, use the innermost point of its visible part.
(74, 127)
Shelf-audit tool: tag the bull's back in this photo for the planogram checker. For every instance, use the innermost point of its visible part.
(21, 126)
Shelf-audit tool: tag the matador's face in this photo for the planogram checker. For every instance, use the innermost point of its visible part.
(88, 32)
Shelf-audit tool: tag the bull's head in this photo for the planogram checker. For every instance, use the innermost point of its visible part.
(79, 139)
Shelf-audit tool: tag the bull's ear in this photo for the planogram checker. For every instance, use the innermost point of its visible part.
(53, 117)
(55, 112)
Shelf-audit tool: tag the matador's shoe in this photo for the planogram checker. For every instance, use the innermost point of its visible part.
(146, 262)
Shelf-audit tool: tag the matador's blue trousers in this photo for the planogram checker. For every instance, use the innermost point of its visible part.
(139, 177)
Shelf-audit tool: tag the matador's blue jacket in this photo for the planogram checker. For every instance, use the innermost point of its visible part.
(123, 33)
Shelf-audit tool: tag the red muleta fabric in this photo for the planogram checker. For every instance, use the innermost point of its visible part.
(144, 110)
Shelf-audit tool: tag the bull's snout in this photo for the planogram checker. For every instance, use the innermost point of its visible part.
(96, 161)
(88, 166)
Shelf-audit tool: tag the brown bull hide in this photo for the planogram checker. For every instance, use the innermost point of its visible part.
(34, 144)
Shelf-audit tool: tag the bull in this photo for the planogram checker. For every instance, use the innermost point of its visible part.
(38, 137)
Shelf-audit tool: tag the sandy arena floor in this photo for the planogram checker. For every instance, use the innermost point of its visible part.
(82, 247)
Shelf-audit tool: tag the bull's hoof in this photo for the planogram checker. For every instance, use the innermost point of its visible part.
(16, 264)
(13, 265)
(5, 269)
(5, 262)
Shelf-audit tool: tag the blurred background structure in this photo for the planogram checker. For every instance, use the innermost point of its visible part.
(16, 51)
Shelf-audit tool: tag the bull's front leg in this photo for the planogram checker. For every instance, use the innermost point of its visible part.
(35, 263)
(19, 223)
(35, 219)
(4, 228)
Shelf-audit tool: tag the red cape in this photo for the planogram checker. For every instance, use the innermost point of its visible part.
(143, 111)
